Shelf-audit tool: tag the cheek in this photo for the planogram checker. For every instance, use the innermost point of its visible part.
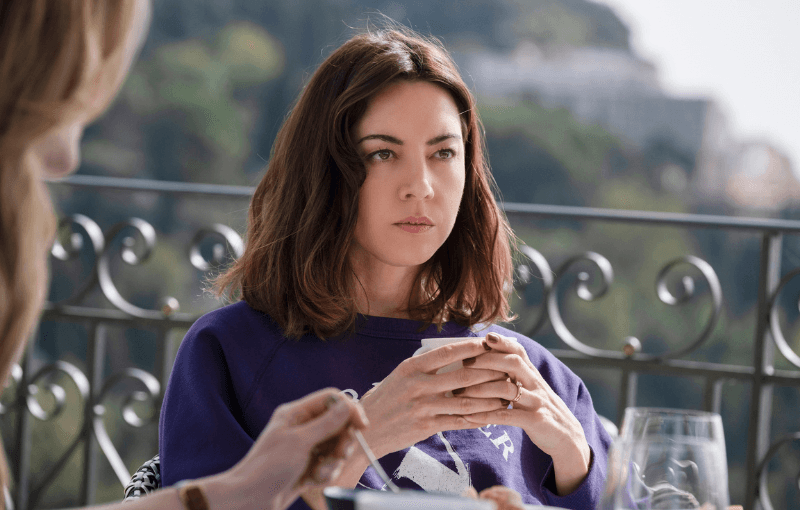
(454, 190)
(366, 212)
(375, 196)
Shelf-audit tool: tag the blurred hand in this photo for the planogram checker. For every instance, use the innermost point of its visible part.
(540, 412)
(304, 446)
(504, 497)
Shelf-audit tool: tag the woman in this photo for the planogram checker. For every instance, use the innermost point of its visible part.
(61, 63)
(374, 227)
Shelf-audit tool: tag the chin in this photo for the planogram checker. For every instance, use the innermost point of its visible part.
(410, 259)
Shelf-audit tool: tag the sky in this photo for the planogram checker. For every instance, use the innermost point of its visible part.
(743, 53)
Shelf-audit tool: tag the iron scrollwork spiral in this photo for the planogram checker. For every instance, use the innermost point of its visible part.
(150, 396)
(585, 293)
(687, 293)
(233, 247)
(632, 347)
(43, 378)
(143, 241)
(524, 276)
(57, 391)
(81, 228)
(138, 240)
(774, 321)
(762, 472)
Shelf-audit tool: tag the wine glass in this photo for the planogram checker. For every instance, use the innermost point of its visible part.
(667, 459)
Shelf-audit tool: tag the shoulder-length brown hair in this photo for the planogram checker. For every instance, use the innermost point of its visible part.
(303, 214)
(58, 59)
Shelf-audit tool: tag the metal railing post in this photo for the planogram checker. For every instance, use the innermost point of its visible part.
(22, 457)
(95, 362)
(758, 430)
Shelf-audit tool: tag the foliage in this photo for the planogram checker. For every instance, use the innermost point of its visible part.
(201, 91)
(569, 23)
(580, 150)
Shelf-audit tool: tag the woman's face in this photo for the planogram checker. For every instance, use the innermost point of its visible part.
(58, 150)
(411, 144)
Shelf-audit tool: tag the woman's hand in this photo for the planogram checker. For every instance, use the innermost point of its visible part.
(540, 412)
(410, 404)
(304, 446)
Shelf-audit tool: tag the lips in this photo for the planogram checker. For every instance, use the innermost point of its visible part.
(415, 224)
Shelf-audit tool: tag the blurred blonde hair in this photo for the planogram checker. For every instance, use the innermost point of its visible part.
(60, 60)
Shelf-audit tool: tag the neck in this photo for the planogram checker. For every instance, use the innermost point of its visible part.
(383, 290)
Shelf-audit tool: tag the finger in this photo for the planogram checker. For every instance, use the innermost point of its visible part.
(324, 473)
(307, 408)
(341, 446)
(333, 422)
(505, 497)
(507, 344)
(358, 416)
(338, 446)
(442, 356)
(455, 422)
(499, 416)
(508, 363)
(466, 406)
(493, 389)
(463, 378)
(470, 492)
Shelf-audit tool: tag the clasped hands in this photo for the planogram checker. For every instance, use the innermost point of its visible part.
(410, 404)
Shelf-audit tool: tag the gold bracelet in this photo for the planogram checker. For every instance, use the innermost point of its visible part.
(192, 495)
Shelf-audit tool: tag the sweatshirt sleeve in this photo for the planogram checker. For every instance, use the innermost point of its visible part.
(588, 493)
(199, 433)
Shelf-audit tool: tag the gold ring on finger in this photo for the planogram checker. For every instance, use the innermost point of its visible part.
(519, 392)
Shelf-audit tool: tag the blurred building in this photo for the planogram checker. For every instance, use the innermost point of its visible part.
(761, 178)
(685, 142)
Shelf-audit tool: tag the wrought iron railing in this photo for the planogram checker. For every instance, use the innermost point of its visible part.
(39, 393)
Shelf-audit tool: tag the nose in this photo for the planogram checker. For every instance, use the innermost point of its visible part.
(417, 182)
(60, 150)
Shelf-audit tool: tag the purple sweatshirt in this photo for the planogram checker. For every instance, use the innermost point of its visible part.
(235, 366)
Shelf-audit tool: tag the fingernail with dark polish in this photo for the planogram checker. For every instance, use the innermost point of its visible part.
(486, 346)
(492, 338)
(468, 361)
(458, 391)
(505, 402)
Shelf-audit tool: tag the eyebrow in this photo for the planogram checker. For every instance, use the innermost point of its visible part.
(397, 141)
